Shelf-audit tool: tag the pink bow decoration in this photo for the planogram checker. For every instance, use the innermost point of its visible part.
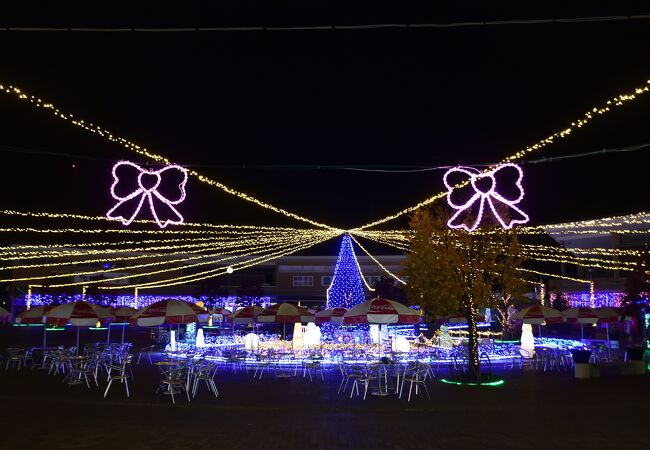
(485, 187)
(143, 185)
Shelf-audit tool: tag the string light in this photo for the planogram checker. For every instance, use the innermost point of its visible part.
(138, 266)
(385, 269)
(238, 253)
(51, 215)
(142, 151)
(616, 101)
(216, 272)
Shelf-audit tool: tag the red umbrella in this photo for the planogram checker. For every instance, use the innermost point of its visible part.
(78, 314)
(4, 315)
(538, 314)
(380, 310)
(285, 313)
(169, 312)
(33, 315)
(334, 315)
(247, 314)
(123, 313)
(580, 315)
(459, 318)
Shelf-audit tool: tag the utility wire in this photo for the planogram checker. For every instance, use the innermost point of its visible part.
(374, 26)
(359, 168)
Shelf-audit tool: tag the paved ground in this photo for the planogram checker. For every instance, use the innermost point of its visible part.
(531, 410)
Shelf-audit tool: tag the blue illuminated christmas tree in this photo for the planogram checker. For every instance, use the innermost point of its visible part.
(347, 286)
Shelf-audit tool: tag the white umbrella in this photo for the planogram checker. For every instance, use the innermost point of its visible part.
(78, 314)
(285, 313)
(581, 315)
(334, 315)
(537, 315)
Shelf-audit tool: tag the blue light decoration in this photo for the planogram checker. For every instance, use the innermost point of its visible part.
(600, 300)
(346, 289)
(143, 300)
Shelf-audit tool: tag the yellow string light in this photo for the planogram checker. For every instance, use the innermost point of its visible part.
(608, 105)
(142, 151)
(216, 272)
(250, 249)
(385, 269)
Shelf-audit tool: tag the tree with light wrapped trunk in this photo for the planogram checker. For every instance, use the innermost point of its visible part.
(509, 283)
(450, 270)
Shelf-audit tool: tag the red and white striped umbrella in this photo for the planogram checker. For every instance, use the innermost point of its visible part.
(334, 315)
(168, 312)
(247, 314)
(78, 314)
(123, 313)
(538, 314)
(285, 313)
(4, 315)
(459, 318)
(380, 310)
(607, 315)
(580, 315)
(33, 315)
(218, 311)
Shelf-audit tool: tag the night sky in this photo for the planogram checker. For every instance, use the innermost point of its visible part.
(424, 97)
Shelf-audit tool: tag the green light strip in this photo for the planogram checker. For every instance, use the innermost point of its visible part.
(97, 328)
(460, 383)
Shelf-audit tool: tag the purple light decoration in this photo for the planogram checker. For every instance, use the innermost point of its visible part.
(148, 182)
(127, 299)
(483, 193)
(601, 299)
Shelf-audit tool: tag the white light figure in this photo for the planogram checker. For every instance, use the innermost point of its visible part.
(374, 333)
(527, 341)
(297, 341)
(172, 340)
(251, 341)
(312, 336)
(401, 344)
(444, 340)
(200, 340)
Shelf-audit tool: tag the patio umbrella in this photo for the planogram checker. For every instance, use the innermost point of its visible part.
(334, 315)
(34, 315)
(285, 313)
(168, 312)
(380, 310)
(607, 315)
(459, 318)
(121, 316)
(247, 314)
(537, 315)
(580, 315)
(78, 314)
(222, 312)
(4, 315)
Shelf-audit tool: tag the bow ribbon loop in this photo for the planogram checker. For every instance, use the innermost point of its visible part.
(147, 190)
(474, 189)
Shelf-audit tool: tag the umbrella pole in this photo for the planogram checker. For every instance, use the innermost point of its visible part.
(284, 331)
(44, 335)
(539, 330)
(108, 336)
(123, 326)
(78, 341)
(582, 331)
(609, 348)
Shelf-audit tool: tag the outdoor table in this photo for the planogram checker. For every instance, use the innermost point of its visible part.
(383, 372)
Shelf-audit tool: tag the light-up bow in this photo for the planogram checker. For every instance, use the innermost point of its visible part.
(147, 190)
(485, 187)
